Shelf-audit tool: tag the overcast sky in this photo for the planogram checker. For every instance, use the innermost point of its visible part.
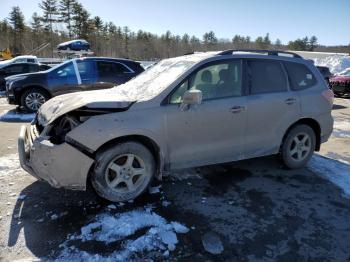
(286, 20)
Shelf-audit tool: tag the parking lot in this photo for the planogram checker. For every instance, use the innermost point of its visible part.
(244, 211)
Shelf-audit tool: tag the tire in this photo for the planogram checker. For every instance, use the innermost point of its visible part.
(38, 95)
(298, 146)
(118, 176)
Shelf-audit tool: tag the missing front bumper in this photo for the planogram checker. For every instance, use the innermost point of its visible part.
(60, 165)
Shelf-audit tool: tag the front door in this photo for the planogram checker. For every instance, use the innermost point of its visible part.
(212, 132)
(63, 79)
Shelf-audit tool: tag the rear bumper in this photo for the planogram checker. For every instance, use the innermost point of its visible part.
(60, 165)
(326, 123)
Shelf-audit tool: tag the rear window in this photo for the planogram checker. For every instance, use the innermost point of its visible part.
(300, 76)
(266, 77)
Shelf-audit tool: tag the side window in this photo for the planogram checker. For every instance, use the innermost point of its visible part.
(85, 68)
(14, 69)
(106, 69)
(32, 68)
(20, 60)
(66, 70)
(30, 60)
(266, 77)
(219, 80)
(300, 76)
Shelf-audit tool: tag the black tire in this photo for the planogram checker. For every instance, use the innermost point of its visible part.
(44, 96)
(103, 172)
(289, 145)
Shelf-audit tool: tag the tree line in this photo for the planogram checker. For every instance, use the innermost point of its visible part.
(62, 20)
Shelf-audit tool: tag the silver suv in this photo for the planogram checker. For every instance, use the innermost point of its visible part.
(199, 109)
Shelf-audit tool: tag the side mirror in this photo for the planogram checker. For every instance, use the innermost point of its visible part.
(191, 97)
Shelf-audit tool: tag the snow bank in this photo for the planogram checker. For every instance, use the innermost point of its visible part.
(10, 115)
(160, 236)
(336, 63)
(336, 172)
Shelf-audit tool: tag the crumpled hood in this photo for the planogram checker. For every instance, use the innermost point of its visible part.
(100, 99)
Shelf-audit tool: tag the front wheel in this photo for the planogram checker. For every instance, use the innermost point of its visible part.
(33, 99)
(123, 172)
(298, 147)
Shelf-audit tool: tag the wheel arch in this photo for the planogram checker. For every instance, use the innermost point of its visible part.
(146, 141)
(311, 123)
(26, 88)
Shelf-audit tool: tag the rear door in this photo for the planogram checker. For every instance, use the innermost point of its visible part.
(112, 73)
(271, 106)
(212, 132)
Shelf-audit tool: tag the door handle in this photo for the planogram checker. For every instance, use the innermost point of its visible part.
(237, 109)
(290, 101)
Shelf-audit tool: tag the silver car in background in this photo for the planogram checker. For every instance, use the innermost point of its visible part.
(194, 110)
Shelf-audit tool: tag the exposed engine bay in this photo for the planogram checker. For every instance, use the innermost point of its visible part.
(62, 126)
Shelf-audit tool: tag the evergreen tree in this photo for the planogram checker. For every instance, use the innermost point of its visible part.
(50, 16)
(37, 29)
(210, 40)
(313, 43)
(81, 24)
(66, 9)
(16, 19)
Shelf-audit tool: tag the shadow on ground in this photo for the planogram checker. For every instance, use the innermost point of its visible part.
(260, 211)
(16, 115)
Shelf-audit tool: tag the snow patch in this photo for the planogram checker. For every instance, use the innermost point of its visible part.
(336, 172)
(212, 243)
(160, 236)
(9, 165)
(10, 115)
(155, 189)
(336, 63)
(341, 129)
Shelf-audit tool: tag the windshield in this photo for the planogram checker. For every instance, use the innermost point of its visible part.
(153, 81)
(345, 73)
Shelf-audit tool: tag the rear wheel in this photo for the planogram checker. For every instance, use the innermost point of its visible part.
(298, 147)
(123, 172)
(33, 99)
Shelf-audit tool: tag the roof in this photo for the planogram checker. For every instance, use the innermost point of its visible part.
(72, 41)
(105, 58)
(25, 56)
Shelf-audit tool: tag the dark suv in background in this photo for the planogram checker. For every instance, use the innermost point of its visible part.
(19, 68)
(81, 74)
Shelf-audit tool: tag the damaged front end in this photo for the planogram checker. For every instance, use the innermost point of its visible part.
(47, 153)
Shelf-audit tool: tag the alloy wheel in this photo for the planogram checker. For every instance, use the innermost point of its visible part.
(125, 173)
(34, 101)
(300, 147)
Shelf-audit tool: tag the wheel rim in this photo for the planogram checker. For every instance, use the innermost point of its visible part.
(34, 100)
(300, 147)
(125, 173)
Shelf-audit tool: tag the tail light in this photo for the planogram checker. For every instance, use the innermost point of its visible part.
(328, 95)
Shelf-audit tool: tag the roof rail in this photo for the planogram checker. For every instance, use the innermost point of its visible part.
(268, 52)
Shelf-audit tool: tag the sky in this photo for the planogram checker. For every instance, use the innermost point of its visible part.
(283, 19)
